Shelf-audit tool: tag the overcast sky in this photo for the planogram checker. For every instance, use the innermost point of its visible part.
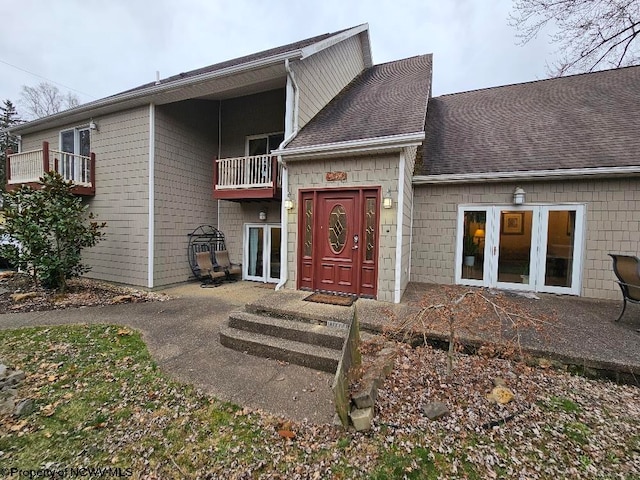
(97, 48)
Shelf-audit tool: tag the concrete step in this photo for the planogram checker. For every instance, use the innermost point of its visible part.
(290, 305)
(316, 357)
(313, 334)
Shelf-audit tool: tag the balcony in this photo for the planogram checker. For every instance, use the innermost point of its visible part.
(247, 178)
(27, 168)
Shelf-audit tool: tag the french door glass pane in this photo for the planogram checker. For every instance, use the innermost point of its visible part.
(85, 145)
(275, 140)
(514, 254)
(560, 242)
(275, 253)
(255, 252)
(473, 243)
(67, 140)
(258, 146)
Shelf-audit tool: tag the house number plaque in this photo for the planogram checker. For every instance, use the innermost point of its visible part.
(336, 176)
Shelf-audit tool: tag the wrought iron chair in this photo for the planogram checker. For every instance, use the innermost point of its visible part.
(627, 269)
(207, 272)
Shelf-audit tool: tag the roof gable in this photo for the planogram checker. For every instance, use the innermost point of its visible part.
(384, 100)
(583, 121)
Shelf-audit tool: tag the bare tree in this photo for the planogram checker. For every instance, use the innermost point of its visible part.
(591, 34)
(481, 315)
(46, 99)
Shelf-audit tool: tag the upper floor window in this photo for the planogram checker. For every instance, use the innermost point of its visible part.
(76, 141)
(75, 151)
(263, 144)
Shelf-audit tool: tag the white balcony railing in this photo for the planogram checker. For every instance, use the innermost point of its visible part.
(248, 172)
(29, 167)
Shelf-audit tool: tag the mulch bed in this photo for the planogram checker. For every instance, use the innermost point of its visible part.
(18, 293)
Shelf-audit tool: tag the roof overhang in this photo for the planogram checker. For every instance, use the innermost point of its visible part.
(533, 175)
(210, 85)
(353, 147)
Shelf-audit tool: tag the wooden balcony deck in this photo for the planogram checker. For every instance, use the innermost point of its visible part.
(247, 178)
(26, 168)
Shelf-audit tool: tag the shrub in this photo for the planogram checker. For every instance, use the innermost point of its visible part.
(52, 226)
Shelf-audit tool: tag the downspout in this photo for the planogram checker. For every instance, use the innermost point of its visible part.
(291, 129)
(151, 217)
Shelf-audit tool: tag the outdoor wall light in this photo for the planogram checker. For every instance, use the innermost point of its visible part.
(387, 201)
(262, 215)
(288, 203)
(518, 196)
(93, 125)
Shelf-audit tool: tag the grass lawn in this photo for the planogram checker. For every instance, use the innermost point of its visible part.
(101, 402)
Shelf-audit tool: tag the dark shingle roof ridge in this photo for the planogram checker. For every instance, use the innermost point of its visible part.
(398, 61)
(289, 47)
(538, 81)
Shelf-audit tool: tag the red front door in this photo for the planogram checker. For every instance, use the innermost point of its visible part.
(338, 241)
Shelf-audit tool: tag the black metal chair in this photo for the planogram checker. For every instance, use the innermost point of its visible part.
(627, 269)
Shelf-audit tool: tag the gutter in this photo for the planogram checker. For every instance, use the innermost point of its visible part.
(292, 88)
(558, 174)
(390, 142)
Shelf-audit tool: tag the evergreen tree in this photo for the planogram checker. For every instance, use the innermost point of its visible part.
(8, 118)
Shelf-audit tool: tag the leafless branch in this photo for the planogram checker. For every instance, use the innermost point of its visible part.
(591, 34)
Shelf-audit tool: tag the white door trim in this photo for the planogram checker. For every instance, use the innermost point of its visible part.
(266, 252)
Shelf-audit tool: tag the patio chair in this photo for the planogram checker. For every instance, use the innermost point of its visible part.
(207, 272)
(627, 269)
(230, 269)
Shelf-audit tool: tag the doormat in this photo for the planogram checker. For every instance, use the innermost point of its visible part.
(331, 299)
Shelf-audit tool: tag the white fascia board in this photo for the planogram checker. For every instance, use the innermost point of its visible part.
(121, 101)
(567, 173)
(391, 142)
(331, 41)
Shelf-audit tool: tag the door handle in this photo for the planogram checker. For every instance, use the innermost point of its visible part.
(354, 247)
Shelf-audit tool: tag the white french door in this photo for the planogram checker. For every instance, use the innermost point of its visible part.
(532, 247)
(262, 252)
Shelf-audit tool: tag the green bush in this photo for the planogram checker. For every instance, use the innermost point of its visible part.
(52, 227)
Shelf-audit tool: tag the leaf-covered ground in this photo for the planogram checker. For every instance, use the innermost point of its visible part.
(18, 293)
(101, 402)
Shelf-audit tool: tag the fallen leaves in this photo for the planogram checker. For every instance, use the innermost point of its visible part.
(20, 295)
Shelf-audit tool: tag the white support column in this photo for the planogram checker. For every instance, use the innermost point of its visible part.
(397, 292)
(151, 215)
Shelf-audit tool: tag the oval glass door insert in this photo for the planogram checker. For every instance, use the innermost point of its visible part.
(337, 228)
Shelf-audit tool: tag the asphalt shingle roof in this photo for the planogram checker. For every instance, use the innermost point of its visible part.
(241, 60)
(386, 99)
(582, 121)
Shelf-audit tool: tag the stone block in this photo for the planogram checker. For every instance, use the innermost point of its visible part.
(366, 396)
(12, 379)
(3, 370)
(361, 418)
(435, 410)
(25, 407)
